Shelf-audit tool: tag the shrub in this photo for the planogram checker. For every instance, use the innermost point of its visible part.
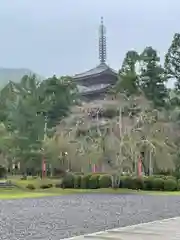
(30, 187)
(45, 186)
(77, 181)
(158, 184)
(58, 185)
(105, 181)
(85, 181)
(148, 183)
(2, 172)
(94, 181)
(137, 183)
(126, 182)
(169, 177)
(23, 178)
(170, 185)
(68, 181)
(178, 184)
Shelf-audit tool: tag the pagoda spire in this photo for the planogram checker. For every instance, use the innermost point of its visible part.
(102, 42)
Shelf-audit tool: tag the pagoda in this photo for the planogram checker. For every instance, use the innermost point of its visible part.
(94, 83)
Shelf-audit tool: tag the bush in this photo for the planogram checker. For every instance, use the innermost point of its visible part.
(148, 183)
(105, 181)
(30, 187)
(178, 184)
(77, 181)
(2, 172)
(45, 186)
(126, 182)
(23, 178)
(170, 185)
(85, 181)
(58, 185)
(68, 181)
(94, 181)
(137, 183)
(158, 184)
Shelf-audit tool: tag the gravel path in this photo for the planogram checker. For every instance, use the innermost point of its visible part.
(54, 218)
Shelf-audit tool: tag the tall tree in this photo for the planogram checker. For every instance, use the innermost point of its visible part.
(61, 94)
(128, 78)
(153, 77)
(172, 60)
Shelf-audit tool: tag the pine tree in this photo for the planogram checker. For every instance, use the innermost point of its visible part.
(172, 61)
(153, 77)
(128, 79)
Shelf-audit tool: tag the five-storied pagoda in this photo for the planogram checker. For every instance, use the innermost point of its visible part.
(93, 84)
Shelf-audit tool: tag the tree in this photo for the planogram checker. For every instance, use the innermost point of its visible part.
(153, 77)
(61, 94)
(172, 60)
(128, 78)
(30, 106)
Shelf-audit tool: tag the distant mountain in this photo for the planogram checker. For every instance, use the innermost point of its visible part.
(13, 74)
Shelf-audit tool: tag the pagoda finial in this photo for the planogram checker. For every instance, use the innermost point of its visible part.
(102, 42)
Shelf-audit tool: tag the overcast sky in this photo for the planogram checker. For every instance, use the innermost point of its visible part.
(61, 36)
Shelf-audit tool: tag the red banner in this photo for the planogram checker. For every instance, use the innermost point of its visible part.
(139, 167)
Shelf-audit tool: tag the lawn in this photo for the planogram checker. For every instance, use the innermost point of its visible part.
(16, 193)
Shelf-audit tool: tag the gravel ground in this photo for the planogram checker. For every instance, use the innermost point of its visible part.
(55, 218)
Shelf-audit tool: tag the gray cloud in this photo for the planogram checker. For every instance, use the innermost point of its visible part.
(61, 36)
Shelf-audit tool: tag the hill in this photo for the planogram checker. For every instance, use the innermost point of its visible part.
(13, 74)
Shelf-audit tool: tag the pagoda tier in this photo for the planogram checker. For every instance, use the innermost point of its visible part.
(96, 82)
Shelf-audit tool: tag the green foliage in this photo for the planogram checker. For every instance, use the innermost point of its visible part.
(158, 184)
(178, 184)
(30, 187)
(94, 181)
(68, 181)
(126, 182)
(77, 181)
(170, 185)
(153, 77)
(128, 82)
(105, 181)
(138, 183)
(172, 61)
(46, 186)
(85, 181)
(148, 183)
(2, 172)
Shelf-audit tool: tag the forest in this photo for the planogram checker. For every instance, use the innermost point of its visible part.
(140, 117)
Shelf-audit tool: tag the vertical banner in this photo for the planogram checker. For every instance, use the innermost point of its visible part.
(139, 167)
(43, 168)
(93, 168)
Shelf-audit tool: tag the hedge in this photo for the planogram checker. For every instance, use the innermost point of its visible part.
(104, 180)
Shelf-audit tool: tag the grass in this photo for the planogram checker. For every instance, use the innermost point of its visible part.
(23, 192)
(19, 194)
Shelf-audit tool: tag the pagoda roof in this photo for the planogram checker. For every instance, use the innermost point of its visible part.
(101, 68)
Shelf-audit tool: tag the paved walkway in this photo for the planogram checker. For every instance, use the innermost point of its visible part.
(168, 229)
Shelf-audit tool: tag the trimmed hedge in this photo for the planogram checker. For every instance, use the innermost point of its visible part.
(94, 181)
(170, 185)
(104, 180)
